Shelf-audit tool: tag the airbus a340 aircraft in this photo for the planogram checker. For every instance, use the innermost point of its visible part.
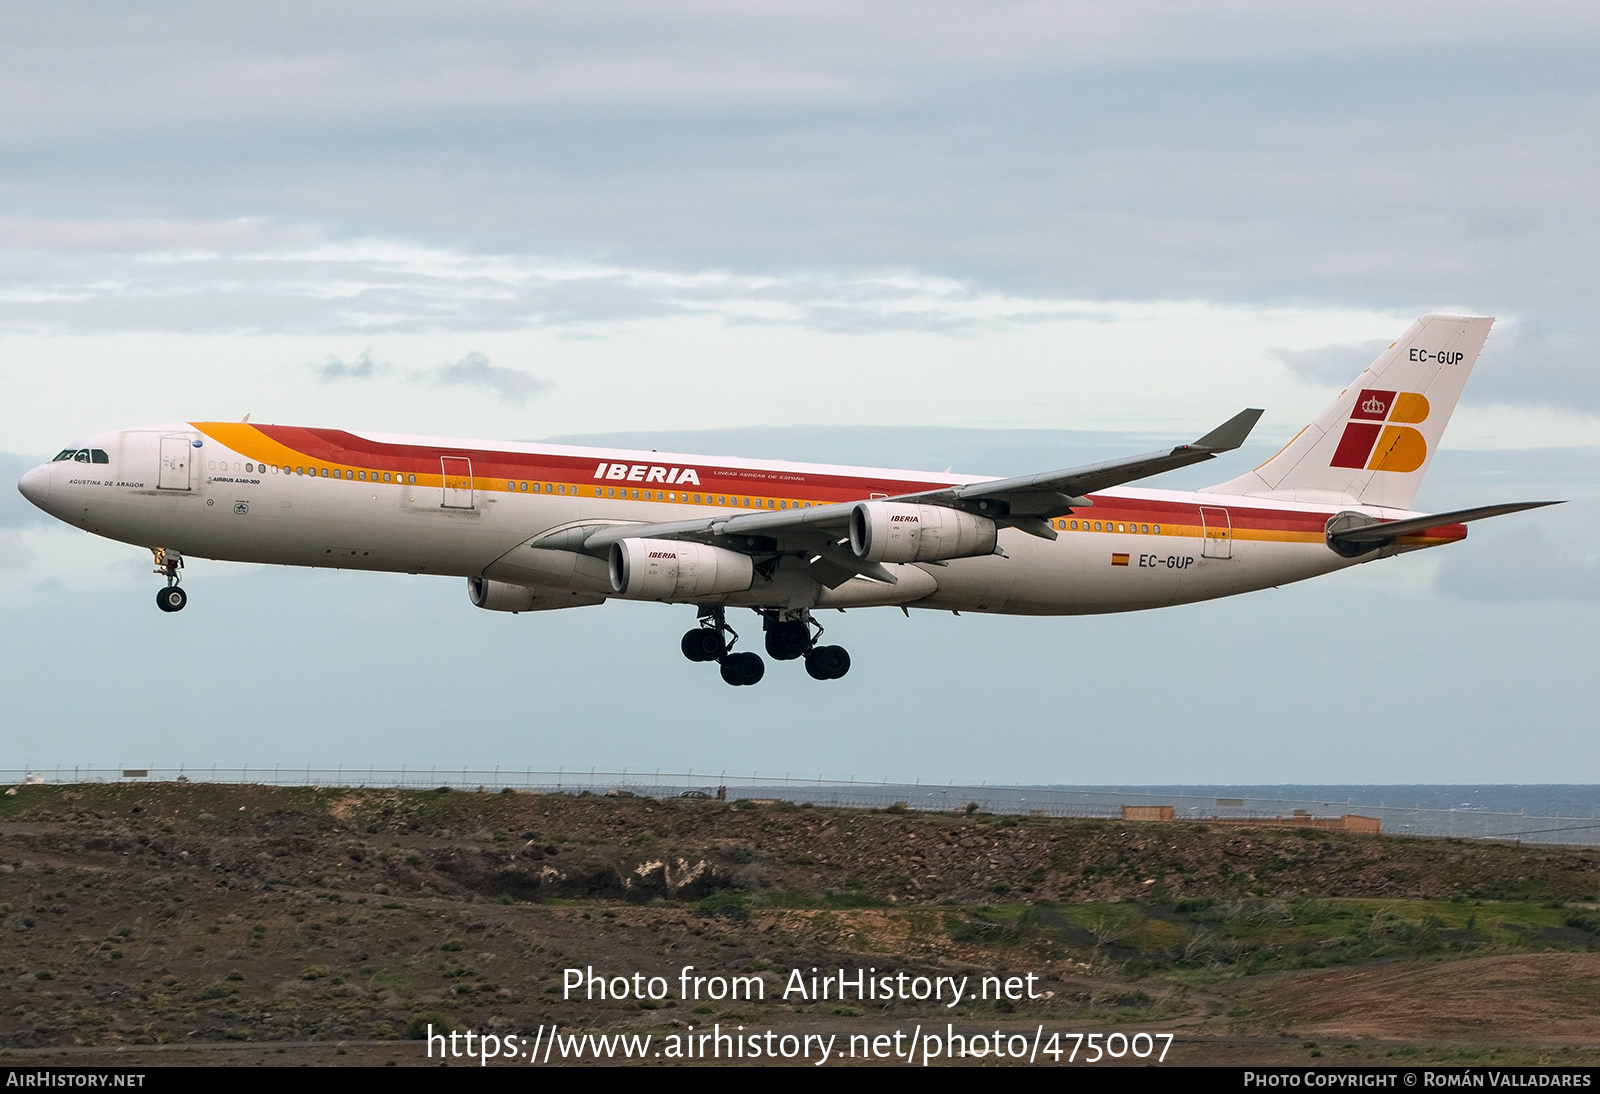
(533, 526)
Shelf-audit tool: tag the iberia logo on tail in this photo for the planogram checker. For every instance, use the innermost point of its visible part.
(1376, 440)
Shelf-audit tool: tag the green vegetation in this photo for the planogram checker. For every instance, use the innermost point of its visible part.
(1205, 940)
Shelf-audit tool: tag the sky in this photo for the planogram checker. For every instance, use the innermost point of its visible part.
(1001, 237)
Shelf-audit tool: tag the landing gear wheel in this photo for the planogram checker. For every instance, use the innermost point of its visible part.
(171, 599)
(704, 644)
(827, 663)
(743, 669)
(788, 640)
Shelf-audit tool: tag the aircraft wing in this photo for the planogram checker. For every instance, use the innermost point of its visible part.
(1025, 501)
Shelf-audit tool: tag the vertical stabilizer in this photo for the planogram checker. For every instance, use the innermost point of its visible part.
(1373, 444)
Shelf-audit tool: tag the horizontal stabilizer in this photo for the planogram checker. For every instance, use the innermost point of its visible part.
(1384, 532)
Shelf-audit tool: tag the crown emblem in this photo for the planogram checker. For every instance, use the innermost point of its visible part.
(1373, 405)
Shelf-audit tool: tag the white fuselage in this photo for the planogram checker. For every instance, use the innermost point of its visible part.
(1134, 549)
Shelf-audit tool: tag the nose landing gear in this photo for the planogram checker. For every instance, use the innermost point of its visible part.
(168, 563)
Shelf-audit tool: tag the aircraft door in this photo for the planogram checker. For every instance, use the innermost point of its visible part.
(1216, 530)
(457, 482)
(177, 459)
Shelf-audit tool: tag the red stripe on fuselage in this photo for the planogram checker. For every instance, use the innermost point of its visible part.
(335, 446)
(341, 448)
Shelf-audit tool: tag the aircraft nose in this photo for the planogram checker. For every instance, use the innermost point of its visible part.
(35, 485)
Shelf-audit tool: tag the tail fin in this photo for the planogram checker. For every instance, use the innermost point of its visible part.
(1373, 444)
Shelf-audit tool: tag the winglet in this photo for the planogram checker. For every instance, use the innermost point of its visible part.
(1231, 433)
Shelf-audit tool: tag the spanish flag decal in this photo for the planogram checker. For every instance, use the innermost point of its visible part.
(1119, 558)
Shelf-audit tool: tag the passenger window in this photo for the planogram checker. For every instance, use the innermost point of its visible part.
(1096, 526)
(411, 478)
(349, 474)
(697, 499)
(561, 489)
(324, 472)
(1156, 528)
(1144, 529)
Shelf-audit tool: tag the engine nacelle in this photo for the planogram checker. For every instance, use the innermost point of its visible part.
(506, 596)
(664, 569)
(500, 596)
(883, 531)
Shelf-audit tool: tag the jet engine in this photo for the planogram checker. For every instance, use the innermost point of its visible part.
(504, 596)
(664, 569)
(883, 531)
(500, 596)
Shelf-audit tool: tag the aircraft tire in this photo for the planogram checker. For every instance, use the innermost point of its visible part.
(703, 644)
(171, 599)
(743, 669)
(827, 663)
(787, 641)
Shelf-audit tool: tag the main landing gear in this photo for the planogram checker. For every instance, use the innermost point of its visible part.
(789, 637)
(168, 563)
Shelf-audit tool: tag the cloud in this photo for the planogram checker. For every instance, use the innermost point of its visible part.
(363, 367)
(509, 384)
(1523, 562)
(15, 554)
(1330, 365)
(16, 511)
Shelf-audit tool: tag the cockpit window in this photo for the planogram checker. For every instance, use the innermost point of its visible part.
(83, 455)
(65, 454)
(99, 455)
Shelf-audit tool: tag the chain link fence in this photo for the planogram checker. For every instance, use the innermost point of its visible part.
(1045, 801)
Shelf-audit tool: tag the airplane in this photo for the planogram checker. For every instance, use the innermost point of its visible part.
(534, 527)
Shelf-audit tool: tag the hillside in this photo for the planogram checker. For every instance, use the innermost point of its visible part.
(246, 916)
